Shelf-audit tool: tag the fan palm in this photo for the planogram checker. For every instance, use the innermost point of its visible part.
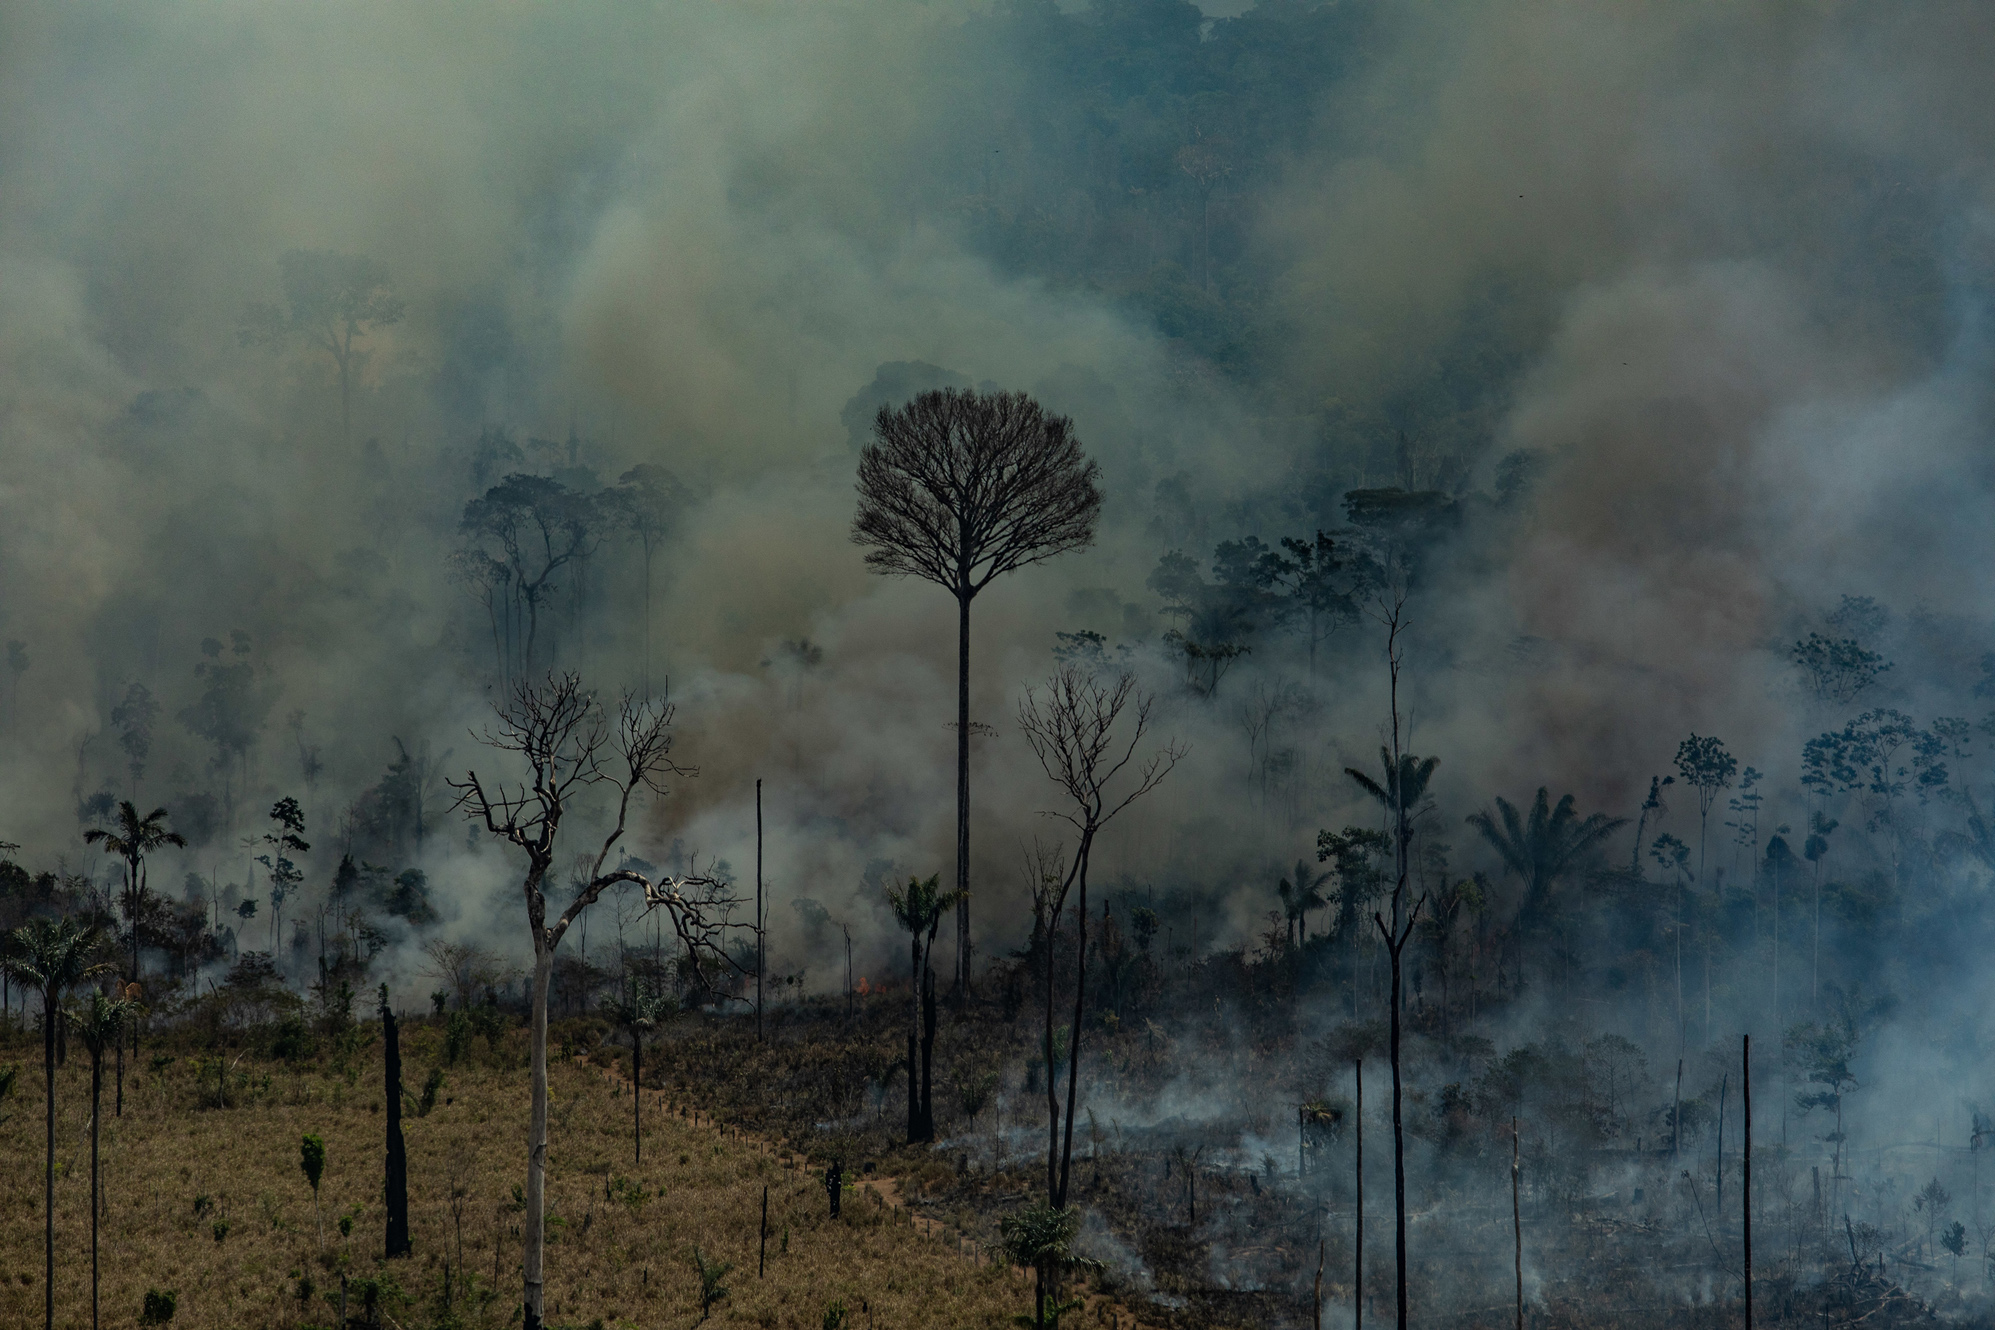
(100, 1022)
(51, 956)
(1544, 846)
(638, 1011)
(918, 909)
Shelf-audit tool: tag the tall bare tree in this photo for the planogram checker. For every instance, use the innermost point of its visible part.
(1073, 728)
(958, 488)
(571, 746)
(1392, 614)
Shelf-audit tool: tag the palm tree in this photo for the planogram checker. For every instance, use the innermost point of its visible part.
(919, 910)
(1543, 847)
(134, 838)
(1041, 1238)
(52, 956)
(99, 1023)
(1409, 776)
(1303, 893)
(638, 1011)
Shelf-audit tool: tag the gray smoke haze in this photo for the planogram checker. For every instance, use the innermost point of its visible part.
(1735, 260)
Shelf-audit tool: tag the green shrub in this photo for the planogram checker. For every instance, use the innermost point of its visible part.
(293, 1040)
(159, 1307)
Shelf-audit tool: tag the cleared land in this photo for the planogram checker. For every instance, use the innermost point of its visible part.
(207, 1199)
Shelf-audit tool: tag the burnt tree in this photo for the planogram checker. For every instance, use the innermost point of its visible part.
(958, 488)
(398, 1150)
(1074, 729)
(571, 747)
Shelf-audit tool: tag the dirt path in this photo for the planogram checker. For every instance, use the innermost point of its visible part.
(886, 1191)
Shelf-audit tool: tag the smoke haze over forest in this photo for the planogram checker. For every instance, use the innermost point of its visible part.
(1668, 326)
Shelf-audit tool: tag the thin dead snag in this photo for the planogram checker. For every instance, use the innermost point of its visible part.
(1392, 614)
(572, 747)
(1073, 728)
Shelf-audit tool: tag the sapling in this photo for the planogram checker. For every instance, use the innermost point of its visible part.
(711, 1273)
(312, 1160)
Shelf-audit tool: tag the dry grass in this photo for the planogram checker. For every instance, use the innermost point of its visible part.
(622, 1236)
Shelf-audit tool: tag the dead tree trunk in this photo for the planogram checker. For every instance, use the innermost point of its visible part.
(1746, 1188)
(1517, 1218)
(1358, 1259)
(398, 1155)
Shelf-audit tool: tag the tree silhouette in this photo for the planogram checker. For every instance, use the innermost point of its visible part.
(134, 717)
(1543, 847)
(52, 956)
(1302, 893)
(1073, 730)
(229, 713)
(132, 840)
(524, 530)
(958, 488)
(330, 300)
(638, 1011)
(570, 745)
(1706, 767)
(99, 1023)
(644, 502)
(918, 909)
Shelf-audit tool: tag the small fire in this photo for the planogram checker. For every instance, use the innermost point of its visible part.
(862, 989)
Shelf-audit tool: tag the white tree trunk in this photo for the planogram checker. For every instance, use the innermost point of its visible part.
(534, 1230)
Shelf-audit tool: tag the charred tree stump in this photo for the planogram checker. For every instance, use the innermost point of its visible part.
(398, 1154)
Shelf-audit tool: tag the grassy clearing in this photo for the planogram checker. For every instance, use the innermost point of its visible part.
(210, 1202)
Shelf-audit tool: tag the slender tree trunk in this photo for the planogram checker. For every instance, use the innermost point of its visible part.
(1746, 1189)
(1676, 1117)
(1358, 1257)
(928, 1052)
(637, 1095)
(963, 795)
(914, 1041)
(1517, 1218)
(1724, 1085)
(759, 950)
(1074, 1035)
(397, 1150)
(1398, 1150)
(96, 1094)
(50, 1015)
(1052, 1081)
(533, 1227)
